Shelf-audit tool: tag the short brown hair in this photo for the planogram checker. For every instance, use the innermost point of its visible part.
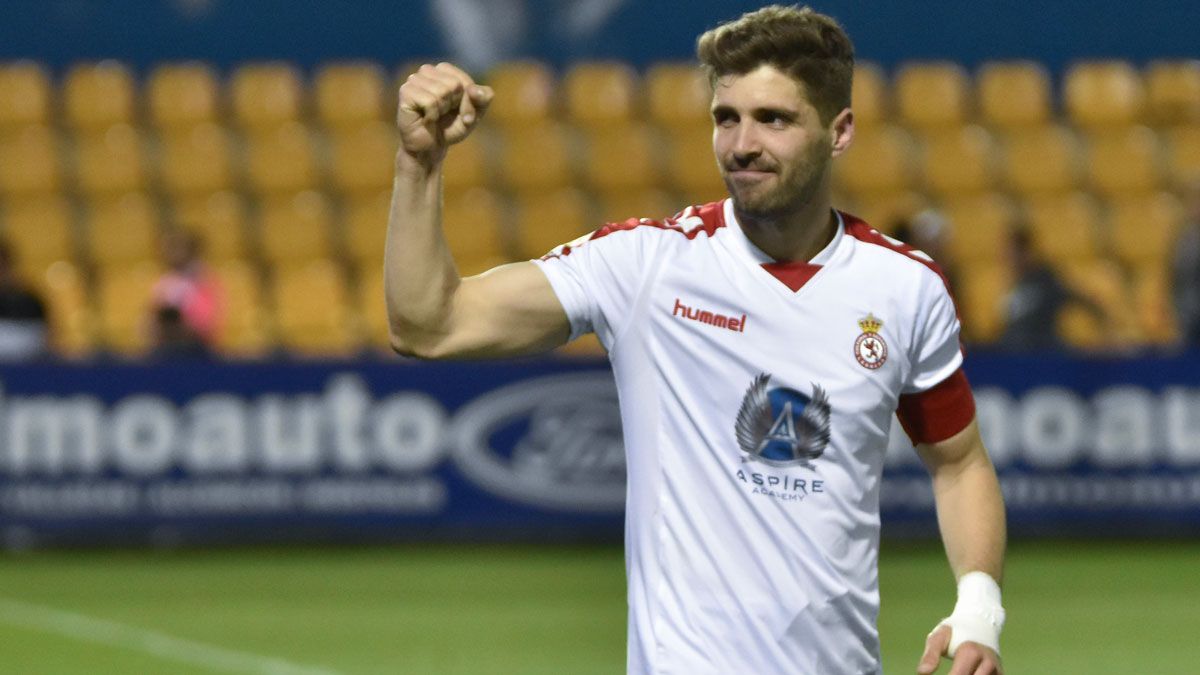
(807, 45)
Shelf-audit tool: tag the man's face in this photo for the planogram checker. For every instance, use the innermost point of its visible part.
(772, 149)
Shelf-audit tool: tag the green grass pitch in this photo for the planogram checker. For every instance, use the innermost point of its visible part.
(1087, 608)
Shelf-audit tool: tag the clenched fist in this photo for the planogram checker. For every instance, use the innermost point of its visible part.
(439, 105)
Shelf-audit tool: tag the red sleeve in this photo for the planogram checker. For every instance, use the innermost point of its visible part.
(939, 412)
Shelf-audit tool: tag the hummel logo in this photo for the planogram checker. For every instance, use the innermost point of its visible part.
(737, 325)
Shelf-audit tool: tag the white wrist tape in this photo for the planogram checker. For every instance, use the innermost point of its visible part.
(978, 615)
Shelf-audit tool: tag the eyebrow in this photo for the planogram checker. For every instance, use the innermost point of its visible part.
(784, 113)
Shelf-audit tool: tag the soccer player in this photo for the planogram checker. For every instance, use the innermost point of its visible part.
(760, 346)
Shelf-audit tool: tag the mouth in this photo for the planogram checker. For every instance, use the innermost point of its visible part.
(749, 174)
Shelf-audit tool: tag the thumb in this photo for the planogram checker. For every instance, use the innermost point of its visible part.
(935, 647)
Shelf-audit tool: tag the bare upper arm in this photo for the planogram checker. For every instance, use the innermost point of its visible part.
(954, 453)
(509, 310)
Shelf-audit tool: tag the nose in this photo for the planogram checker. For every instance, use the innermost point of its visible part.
(746, 147)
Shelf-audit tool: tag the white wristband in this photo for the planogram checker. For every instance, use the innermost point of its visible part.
(978, 615)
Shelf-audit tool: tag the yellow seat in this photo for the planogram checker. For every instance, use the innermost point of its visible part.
(372, 308)
(365, 220)
(349, 94)
(98, 95)
(473, 225)
(72, 321)
(933, 95)
(265, 95)
(1065, 228)
(25, 94)
(1124, 162)
(41, 231)
(1143, 228)
(691, 167)
(960, 161)
(981, 228)
(466, 164)
(869, 96)
(30, 163)
(296, 229)
(123, 231)
(1041, 161)
(619, 160)
(110, 161)
(1173, 93)
(195, 160)
(124, 299)
(525, 94)
(880, 161)
(218, 220)
(1014, 94)
(1103, 94)
(1113, 326)
(885, 210)
(601, 94)
(181, 95)
(543, 222)
(1153, 305)
(243, 331)
(536, 159)
(363, 158)
(1183, 154)
(982, 296)
(282, 160)
(313, 317)
(677, 93)
(651, 203)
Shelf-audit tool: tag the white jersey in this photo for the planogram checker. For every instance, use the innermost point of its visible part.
(756, 400)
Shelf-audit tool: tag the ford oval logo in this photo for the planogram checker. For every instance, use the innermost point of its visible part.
(553, 442)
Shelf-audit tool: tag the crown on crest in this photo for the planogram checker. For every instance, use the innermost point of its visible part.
(869, 324)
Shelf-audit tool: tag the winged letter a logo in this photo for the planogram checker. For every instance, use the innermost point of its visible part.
(782, 427)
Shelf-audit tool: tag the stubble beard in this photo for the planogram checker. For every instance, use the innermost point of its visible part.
(793, 192)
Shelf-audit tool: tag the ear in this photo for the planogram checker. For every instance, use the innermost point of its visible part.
(842, 131)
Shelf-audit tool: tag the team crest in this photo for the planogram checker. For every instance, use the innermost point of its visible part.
(782, 427)
(870, 349)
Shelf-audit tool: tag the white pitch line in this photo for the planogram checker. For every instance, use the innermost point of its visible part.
(167, 647)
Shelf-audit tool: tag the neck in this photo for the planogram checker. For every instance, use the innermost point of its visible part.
(796, 235)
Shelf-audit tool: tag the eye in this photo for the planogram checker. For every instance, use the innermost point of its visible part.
(724, 118)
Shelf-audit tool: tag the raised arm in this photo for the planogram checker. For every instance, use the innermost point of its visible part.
(432, 312)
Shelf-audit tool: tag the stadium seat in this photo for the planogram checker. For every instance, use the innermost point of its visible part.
(653, 204)
(364, 225)
(622, 159)
(30, 162)
(72, 322)
(982, 297)
(1124, 162)
(884, 210)
(933, 96)
(313, 317)
(99, 95)
(1103, 94)
(122, 231)
(295, 229)
(1153, 305)
(545, 221)
(959, 161)
(243, 330)
(363, 158)
(1066, 227)
(981, 228)
(691, 167)
(182, 95)
(879, 161)
(1173, 93)
(473, 223)
(266, 95)
(124, 298)
(677, 94)
(467, 163)
(195, 160)
(601, 94)
(1183, 154)
(1114, 326)
(282, 160)
(40, 230)
(536, 159)
(349, 94)
(1014, 94)
(1143, 228)
(1041, 161)
(372, 309)
(525, 94)
(110, 161)
(25, 95)
(218, 220)
(585, 346)
(869, 98)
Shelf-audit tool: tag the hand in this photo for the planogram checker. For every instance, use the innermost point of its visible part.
(439, 105)
(971, 658)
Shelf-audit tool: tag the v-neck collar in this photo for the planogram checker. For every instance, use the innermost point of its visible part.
(793, 274)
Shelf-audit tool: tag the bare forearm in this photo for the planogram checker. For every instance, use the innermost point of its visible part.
(971, 516)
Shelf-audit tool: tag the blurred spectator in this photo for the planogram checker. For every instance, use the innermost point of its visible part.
(173, 339)
(23, 326)
(1186, 269)
(927, 232)
(188, 287)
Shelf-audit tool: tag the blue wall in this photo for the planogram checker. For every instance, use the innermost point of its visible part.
(226, 32)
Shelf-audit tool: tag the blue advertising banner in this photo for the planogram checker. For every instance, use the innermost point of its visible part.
(530, 449)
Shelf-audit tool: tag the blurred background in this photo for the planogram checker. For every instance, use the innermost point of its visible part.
(209, 461)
